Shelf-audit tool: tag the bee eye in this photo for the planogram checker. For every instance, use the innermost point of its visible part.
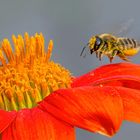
(98, 41)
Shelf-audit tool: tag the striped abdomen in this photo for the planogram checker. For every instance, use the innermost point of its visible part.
(128, 43)
(128, 46)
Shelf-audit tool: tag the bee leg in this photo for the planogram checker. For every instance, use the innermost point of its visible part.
(100, 55)
(114, 53)
(110, 59)
(96, 54)
(122, 56)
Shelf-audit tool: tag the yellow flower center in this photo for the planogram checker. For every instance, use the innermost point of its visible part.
(27, 75)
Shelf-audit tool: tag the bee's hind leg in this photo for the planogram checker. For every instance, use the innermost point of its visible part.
(122, 56)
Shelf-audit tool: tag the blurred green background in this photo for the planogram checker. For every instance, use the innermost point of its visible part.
(70, 23)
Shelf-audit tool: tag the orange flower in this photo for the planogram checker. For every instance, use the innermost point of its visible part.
(40, 100)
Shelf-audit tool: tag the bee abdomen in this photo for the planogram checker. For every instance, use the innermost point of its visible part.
(128, 43)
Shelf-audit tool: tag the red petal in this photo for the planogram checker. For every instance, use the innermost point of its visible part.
(36, 124)
(131, 101)
(6, 118)
(120, 69)
(92, 108)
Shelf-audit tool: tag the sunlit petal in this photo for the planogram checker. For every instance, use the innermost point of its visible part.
(131, 103)
(6, 118)
(37, 125)
(125, 70)
(93, 108)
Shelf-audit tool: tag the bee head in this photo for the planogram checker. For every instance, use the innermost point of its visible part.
(94, 43)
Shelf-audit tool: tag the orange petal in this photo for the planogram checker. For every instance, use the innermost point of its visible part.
(120, 80)
(119, 69)
(93, 108)
(6, 119)
(131, 102)
(36, 124)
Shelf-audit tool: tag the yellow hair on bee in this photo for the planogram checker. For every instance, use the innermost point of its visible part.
(111, 46)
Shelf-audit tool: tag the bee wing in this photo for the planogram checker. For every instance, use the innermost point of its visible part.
(123, 28)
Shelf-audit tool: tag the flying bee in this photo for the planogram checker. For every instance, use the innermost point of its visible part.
(111, 46)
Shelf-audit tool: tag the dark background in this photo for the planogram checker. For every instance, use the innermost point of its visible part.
(70, 23)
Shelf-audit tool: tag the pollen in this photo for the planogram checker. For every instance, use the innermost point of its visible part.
(27, 75)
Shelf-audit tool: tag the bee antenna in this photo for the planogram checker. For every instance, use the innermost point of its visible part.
(84, 49)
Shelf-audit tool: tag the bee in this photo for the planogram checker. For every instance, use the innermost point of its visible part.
(111, 46)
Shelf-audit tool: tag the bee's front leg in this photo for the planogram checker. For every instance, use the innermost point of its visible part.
(97, 54)
(100, 55)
